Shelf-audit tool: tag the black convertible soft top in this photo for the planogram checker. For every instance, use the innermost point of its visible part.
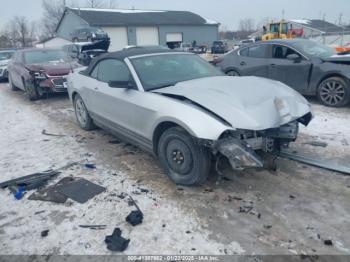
(132, 51)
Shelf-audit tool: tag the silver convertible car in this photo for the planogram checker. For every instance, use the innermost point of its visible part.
(185, 111)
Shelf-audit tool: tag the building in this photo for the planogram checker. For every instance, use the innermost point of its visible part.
(141, 27)
(322, 31)
(52, 42)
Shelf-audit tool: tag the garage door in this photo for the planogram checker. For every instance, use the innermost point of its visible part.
(118, 36)
(174, 37)
(147, 36)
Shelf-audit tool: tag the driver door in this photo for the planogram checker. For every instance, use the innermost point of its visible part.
(292, 73)
(115, 107)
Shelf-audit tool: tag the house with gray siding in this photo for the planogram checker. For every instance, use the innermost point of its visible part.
(141, 27)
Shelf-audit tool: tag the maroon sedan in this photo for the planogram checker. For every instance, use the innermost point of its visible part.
(40, 71)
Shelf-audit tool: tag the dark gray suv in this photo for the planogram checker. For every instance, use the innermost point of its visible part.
(309, 67)
(89, 34)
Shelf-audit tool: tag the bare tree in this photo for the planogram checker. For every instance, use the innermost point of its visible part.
(95, 3)
(20, 32)
(247, 25)
(53, 11)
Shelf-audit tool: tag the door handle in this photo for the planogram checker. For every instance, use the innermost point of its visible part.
(243, 63)
(273, 65)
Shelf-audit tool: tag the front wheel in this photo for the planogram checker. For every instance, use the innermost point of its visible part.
(232, 73)
(185, 162)
(334, 91)
(31, 91)
(82, 115)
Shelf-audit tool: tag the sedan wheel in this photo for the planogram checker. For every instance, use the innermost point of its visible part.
(185, 162)
(232, 73)
(334, 92)
(82, 115)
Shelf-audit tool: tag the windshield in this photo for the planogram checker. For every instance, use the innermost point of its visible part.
(5, 55)
(159, 71)
(44, 56)
(315, 49)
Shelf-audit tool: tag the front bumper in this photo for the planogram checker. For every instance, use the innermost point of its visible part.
(244, 148)
(54, 84)
(3, 72)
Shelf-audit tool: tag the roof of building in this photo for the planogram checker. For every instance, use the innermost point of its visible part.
(117, 17)
(319, 25)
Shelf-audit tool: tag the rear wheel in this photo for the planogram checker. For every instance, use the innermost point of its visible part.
(232, 73)
(185, 162)
(334, 91)
(82, 115)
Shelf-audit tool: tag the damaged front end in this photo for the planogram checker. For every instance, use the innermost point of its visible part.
(247, 148)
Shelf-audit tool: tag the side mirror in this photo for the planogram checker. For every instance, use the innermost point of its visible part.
(119, 84)
(294, 57)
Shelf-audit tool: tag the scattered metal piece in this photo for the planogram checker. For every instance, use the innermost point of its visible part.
(51, 193)
(135, 217)
(316, 143)
(323, 163)
(328, 242)
(94, 227)
(80, 190)
(49, 134)
(90, 165)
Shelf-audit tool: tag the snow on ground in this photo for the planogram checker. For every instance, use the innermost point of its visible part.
(294, 209)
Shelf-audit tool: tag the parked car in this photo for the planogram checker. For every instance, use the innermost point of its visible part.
(219, 47)
(88, 34)
(39, 71)
(310, 68)
(5, 56)
(84, 52)
(185, 111)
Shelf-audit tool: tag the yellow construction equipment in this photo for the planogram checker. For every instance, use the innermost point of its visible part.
(280, 30)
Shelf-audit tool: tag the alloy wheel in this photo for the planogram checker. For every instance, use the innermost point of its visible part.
(332, 92)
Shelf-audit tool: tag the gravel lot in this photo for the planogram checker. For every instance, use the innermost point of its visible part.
(293, 210)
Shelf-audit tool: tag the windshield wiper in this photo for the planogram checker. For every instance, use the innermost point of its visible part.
(162, 86)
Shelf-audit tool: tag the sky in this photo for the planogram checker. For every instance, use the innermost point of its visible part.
(227, 12)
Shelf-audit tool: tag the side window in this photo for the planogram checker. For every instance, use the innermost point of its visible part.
(113, 70)
(244, 52)
(94, 73)
(281, 52)
(258, 51)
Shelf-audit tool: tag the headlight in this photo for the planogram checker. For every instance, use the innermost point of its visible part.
(39, 75)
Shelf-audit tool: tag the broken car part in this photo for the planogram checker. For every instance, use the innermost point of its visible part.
(323, 163)
(80, 190)
(135, 217)
(116, 242)
(49, 134)
(95, 227)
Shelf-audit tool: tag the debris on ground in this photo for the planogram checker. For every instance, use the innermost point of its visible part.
(94, 227)
(116, 242)
(136, 216)
(291, 197)
(50, 134)
(122, 195)
(316, 143)
(323, 163)
(115, 142)
(245, 209)
(267, 226)
(45, 233)
(90, 165)
(80, 190)
(51, 194)
(328, 242)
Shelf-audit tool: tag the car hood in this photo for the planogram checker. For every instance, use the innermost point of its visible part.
(340, 58)
(53, 68)
(4, 62)
(251, 103)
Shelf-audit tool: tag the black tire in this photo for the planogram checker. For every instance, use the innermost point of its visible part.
(185, 162)
(334, 92)
(11, 84)
(31, 91)
(82, 115)
(232, 73)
